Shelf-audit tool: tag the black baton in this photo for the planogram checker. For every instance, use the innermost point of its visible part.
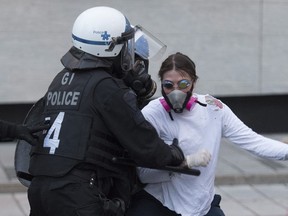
(129, 162)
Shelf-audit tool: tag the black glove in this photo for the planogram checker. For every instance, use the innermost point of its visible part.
(140, 81)
(177, 154)
(26, 133)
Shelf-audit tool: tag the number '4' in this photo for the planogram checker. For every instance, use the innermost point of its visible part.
(52, 138)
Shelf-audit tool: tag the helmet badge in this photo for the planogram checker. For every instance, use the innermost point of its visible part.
(105, 36)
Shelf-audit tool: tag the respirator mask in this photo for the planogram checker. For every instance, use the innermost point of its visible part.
(177, 99)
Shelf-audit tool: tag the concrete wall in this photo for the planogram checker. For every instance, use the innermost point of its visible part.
(239, 46)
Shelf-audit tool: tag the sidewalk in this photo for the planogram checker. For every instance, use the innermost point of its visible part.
(249, 186)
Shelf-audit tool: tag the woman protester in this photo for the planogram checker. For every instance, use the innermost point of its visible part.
(198, 122)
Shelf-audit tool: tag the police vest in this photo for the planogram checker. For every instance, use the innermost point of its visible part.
(77, 134)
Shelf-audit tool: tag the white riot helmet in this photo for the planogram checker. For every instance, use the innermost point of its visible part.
(104, 32)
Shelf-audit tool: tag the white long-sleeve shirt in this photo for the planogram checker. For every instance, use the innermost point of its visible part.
(201, 127)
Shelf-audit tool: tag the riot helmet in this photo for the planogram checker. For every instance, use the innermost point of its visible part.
(105, 32)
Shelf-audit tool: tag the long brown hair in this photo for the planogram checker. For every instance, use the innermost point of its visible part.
(178, 62)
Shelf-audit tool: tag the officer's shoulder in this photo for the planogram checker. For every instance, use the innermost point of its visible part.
(110, 80)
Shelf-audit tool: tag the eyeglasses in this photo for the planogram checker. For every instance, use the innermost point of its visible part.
(182, 84)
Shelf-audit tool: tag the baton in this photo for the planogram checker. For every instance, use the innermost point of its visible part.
(129, 162)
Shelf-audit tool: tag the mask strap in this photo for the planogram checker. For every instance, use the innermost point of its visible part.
(165, 104)
(191, 103)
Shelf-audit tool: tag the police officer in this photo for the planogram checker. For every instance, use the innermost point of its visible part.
(19, 131)
(95, 123)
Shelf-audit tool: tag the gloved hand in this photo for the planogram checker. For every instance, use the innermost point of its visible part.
(27, 133)
(201, 158)
(140, 81)
(177, 154)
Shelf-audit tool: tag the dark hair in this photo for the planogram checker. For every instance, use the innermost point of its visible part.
(178, 62)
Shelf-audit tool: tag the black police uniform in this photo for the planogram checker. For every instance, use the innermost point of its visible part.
(5, 129)
(93, 117)
(9, 130)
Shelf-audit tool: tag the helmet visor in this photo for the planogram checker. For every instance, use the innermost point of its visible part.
(128, 54)
(147, 46)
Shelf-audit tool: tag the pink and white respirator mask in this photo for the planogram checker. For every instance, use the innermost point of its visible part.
(177, 100)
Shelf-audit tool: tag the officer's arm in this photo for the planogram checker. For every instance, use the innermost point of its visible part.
(6, 129)
(125, 120)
